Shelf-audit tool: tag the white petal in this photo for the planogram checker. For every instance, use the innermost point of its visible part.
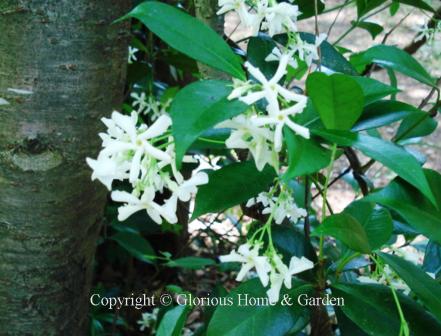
(126, 211)
(124, 197)
(159, 127)
(300, 130)
(297, 265)
(135, 166)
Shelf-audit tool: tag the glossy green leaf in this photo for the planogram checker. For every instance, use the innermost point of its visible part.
(373, 309)
(412, 205)
(416, 125)
(373, 28)
(188, 35)
(365, 6)
(136, 245)
(258, 49)
(417, 4)
(432, 258)
(374, 90)
(392, 156)
(427, 289)
(307, 8)
(330, 57)
(377, 222)
(193, 263)
(338, 99)
(263, 320)
(232, 185)
(347, 229)
(173, 321)
(290, 241)
(199, 107)
(385, 112)
(391, 57)
(304, 155)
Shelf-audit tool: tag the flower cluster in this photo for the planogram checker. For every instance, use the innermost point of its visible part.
(149, 105)
(297, 47)
(269, 268)
(267, 15)
(145, 156)
(283, 206)
(261, 132)
(386, 277)
(148, 320)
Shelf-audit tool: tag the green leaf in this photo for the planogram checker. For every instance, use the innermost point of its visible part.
(230, 186)
(136, 245)
(373, 309)
(365, 6)
(337, 98)
(258, 49)
(307, 8)
(305, 156)
(262, 320)
(330, 57)
(392, 156)
(393, 58)
(188, 35)
(426, 288)
(425, 125)
(193, 263)
(412, 205)
(385, 112)
(173, 321)
(198, 107)
(417, 4)
(347, 229)
(432, 258)
(289, 241)
(373, 28)
(377, 222)
(374, 90)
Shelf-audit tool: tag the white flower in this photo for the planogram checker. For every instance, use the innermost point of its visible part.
(106, 170)
(246, 135)
(270, 88)
(276, 54)
(283, 206)
(146, 202)
(184, 189)
(124, 136)
(247, 19)
(281, 18)
(132, 55)
(249, 257)
(279, 118)
(148, 320)
(282, 274)
(139, 100)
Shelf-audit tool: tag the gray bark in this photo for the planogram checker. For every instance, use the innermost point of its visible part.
(62, 67)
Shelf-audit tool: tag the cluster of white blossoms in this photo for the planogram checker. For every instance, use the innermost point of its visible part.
(144, 156)
(269, 268)
(148, 320)
(149, 105)
(386, 277)
(281, 206)
(266, 15)
(262, 132)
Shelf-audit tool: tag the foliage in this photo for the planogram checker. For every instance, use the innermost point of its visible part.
(252, 153)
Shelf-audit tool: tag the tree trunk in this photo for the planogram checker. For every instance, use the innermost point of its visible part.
(62, 67)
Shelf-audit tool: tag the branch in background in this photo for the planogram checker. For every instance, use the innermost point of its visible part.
(357, 170)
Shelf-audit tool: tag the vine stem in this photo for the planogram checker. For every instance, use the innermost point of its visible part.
(325, 192)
